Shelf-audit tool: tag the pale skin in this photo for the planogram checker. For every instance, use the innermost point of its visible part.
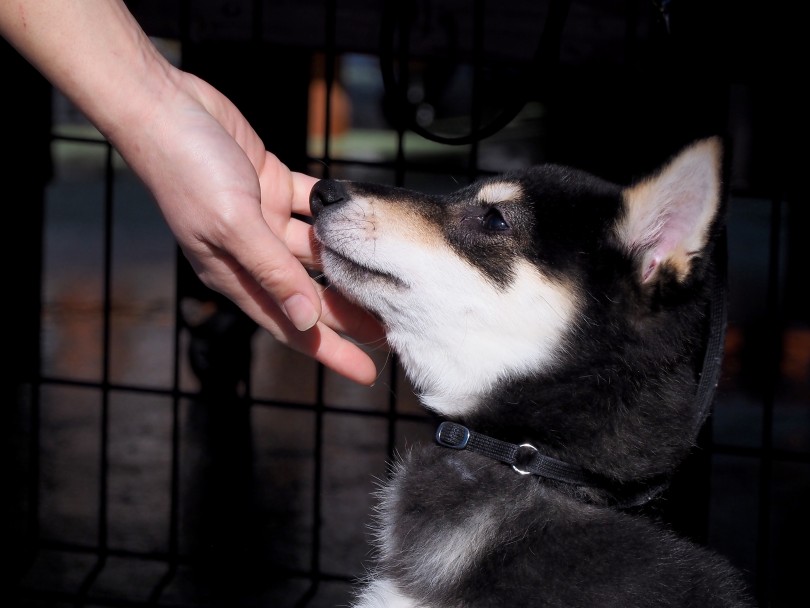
(228, 201)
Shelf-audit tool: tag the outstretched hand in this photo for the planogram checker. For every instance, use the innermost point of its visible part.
(232, 207)
(229, 203)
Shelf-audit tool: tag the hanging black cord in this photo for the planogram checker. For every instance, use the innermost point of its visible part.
(396, 20)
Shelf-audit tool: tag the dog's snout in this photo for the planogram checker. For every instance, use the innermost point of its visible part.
(324, 193)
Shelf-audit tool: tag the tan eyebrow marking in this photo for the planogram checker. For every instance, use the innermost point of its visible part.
(499, 192)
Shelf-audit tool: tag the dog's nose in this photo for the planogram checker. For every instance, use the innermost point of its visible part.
(324, 193)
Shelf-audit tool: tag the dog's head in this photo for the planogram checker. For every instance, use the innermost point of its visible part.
(545, 305)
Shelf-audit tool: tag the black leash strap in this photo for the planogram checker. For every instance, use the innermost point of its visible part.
(718, 321)
(524, 458)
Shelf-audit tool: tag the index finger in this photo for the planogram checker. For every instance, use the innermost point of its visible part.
(302, 186)
(275, 270)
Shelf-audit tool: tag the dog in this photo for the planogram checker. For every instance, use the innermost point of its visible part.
(555, 323)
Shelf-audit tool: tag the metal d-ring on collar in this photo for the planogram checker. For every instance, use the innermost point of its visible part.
(525, 458)
(525, 446)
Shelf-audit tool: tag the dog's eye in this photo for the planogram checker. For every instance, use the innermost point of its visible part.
(493, 220)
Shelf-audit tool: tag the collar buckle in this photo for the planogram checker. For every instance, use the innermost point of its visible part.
(451, 435)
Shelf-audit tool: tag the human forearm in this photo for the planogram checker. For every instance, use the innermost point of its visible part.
(94, 52)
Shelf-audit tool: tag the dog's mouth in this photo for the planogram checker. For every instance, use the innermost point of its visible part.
(349, 273)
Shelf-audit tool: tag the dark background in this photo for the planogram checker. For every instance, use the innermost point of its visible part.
(162, 454)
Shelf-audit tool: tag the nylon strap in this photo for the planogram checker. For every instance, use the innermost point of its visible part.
(523, 458)
(527, 460)
(718, 321)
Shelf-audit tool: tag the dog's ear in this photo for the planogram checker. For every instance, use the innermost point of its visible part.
(668, 216)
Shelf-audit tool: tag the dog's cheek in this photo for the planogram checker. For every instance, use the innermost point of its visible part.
(471, 334)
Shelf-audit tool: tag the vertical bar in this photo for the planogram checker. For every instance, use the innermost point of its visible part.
(32, 107)
(400, 165)
(104, 429)
(773, 359)
(174, 482)
(476, 109)
(330, 57)
(317, 496)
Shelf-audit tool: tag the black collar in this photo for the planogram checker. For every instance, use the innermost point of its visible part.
(526, 459)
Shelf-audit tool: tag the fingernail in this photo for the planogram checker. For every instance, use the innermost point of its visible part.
(300, 311)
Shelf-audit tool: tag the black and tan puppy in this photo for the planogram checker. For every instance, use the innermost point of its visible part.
(557, 323)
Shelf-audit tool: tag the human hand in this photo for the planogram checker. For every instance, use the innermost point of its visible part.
(229, 203)
(231, 206)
